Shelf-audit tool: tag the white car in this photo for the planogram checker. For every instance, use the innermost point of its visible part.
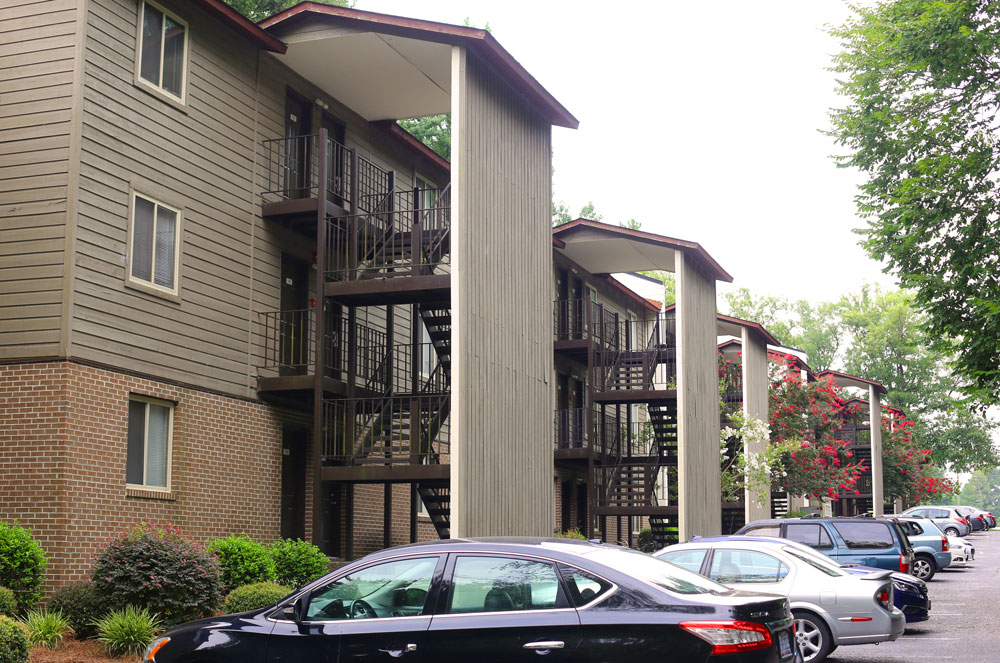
(962, 552)
(831, 607)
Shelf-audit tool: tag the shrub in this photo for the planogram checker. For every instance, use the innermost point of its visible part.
(46, 627)
(160, 569)
(571, 534)
(13, 641)
(22, 565)
(297, 562)
(242, 561)
(254, 597)
(127, 631)
(645, 541)
(8, 604)
(82, 606)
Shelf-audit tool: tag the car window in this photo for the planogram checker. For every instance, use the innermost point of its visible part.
(811, 534)
(764, 530)
(940, 513)
(583, 587)
(394, 589)
(817, 561)
(746, 566)
(687, 559)
(502, 584)
(857, 534)
(656, 572)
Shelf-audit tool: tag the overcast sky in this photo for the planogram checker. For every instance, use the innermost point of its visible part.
(701, 120)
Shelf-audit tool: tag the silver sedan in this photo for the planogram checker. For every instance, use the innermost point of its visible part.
(831, 607)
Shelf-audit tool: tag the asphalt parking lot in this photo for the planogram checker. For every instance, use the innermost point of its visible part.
(965, 611)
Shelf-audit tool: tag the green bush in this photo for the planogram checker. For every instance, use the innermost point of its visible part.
(46, 627)
(242, 561)
(571, 534)
(13, 641)
(22, 565)
(297, 562)
(8, 604)
(645, 541)
(254, 597)
(82, 606)
(127, 631)
(160, 569)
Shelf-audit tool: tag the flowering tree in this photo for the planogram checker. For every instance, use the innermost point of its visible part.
(908, 472)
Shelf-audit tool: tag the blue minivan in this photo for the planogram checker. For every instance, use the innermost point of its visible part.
(866, 541)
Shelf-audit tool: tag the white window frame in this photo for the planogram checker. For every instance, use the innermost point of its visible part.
(186, 57)
(151, 285)
(136, 398)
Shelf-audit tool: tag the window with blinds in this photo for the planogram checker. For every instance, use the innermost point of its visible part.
(154, 246)
(150, 428)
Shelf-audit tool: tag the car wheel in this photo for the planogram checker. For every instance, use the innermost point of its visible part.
(812, 636)
(923, 567)
(951, 531)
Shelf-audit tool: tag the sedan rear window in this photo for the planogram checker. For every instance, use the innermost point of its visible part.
(865, 535)
(657, 572)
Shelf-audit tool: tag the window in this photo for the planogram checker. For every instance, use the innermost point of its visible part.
(162, 51)
(746, 566)
(865, 535)
(153, 251)
(764, 530)
(687, 559)
(393, 589)
(584, 587)
(816, 560)
(502, 584)
(812, 535)
(150, 428)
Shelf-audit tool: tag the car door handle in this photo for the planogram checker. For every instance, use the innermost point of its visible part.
(396, 653)
(545, 644)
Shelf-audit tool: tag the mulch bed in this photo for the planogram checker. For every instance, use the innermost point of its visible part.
(77, 651)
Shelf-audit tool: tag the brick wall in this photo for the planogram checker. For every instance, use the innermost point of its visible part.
(63, 432)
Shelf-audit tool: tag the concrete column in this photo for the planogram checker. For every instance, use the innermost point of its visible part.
(875, 420)
(755, 405)
(698, 465)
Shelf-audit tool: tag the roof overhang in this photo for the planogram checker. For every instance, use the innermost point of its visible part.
(388, 67)
(601, 248)
(844, 380)
(241, 25)
(727, 325)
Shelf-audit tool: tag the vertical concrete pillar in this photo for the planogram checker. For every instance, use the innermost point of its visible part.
(699, 463)
(875, 420)
(755, 405)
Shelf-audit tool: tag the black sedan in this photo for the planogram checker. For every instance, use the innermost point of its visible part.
(497, 600)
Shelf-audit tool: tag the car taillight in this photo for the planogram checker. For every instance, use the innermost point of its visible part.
(904, 564)
(730, 637)
(883, 598)
(944, 544)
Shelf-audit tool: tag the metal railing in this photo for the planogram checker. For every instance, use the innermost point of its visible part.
(291, 167)
(398, 239)
(642, 355)
(408, 429)
(288, 339)
(571, 428)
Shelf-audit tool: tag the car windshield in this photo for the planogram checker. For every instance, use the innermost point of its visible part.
(816, 560)
(657, 572)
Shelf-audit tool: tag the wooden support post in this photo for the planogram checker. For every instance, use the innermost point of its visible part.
(318, 317)
(416, 237)
(387, 515)
(352, 222)
(414, 496)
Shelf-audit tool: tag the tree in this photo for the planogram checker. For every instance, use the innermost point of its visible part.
(258, 10)
(922, 82)
(982, 490)
(433, 131)
(771, 312)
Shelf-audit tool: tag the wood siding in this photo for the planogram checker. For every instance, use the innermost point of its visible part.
(875, 422)
(502, 462)
(699, 481)
(755, 404)
(38, 57)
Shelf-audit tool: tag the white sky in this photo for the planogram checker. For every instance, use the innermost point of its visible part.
(699, 119)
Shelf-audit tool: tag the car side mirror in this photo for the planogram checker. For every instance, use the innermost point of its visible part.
(296, 611)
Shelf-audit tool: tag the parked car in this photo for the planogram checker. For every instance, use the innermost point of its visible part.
(977, 522)
(873, 542)
(948, 520)
(498, 600)
(909, 593)
(987, 517)
(831, 606)
(962, 552)
(930, 547)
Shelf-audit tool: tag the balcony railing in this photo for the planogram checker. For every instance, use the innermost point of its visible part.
(643, 358)
(571, 428)
(408, 235)
(387, 431)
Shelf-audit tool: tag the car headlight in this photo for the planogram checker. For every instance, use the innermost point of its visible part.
(150, 654)
(902, 586)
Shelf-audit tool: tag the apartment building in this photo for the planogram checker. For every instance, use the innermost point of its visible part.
(237, 297)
